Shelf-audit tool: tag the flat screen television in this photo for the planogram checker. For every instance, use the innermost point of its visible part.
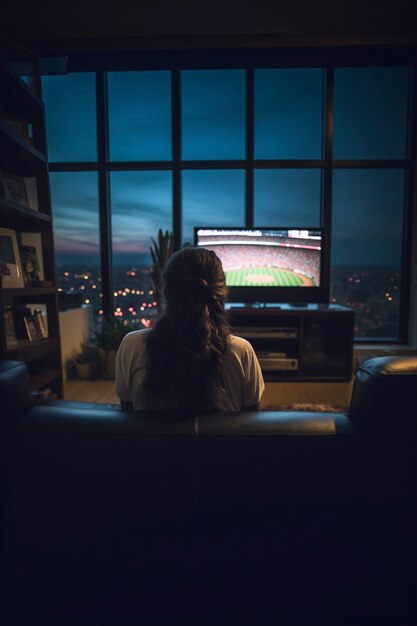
(269, 265)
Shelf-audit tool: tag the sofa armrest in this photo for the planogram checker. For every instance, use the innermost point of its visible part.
(384, 395)
(14, 391)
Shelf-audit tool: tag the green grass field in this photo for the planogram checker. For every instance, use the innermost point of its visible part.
(264, 276)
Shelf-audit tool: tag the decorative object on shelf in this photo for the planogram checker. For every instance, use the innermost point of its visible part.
(160, 253)
(30, 264)
(43, 396)
(32, 331)
(35, 239)
(9, 255)
(32, 192)
(40, 323)
(13, 187)
(108, 339)
(11, 339)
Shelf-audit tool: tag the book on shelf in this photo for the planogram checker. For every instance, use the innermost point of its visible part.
(9, 327)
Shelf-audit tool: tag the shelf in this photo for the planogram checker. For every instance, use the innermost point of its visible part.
(29, 291)
(18, 216)
(41, 380)
(16, 155)
(29, 351)
(309, 344)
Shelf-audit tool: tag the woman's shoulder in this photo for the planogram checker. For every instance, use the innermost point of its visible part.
(135, 336)
(239, 344)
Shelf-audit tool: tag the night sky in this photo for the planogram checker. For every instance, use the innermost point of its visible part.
(370, 122)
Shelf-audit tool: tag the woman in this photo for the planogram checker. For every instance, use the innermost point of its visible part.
(188, 360)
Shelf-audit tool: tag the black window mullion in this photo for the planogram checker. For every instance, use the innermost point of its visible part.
(104, 195)
(176, 157)
(328, 101)
(410, 198)
(250, 137)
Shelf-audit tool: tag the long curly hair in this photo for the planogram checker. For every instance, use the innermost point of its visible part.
(187, 344)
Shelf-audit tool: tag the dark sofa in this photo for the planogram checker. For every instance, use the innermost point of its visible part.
(249, 518)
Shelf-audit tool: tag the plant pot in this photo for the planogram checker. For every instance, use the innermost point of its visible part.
(84, 370)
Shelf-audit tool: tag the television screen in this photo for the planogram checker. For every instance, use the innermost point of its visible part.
(268, 264)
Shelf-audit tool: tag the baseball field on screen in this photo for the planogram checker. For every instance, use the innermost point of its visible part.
(266, 276)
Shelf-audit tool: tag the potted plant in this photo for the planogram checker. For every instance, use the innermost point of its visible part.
(108, 338)
(160, 250)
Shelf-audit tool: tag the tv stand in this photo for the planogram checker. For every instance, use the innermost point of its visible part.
(298, 342)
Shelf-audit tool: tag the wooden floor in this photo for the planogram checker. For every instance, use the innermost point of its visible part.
(335, 394)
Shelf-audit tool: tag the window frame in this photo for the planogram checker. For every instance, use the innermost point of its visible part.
(325, 58)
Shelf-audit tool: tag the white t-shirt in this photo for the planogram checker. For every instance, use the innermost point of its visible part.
(243, 380)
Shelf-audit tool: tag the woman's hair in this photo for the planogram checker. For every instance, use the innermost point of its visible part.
(187, 344)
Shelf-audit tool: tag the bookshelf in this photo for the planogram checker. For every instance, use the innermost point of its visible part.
(29, 330)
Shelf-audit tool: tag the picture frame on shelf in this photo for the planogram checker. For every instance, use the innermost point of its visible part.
(32, 331)
(30, 265)
(10, 332)
(13, 187)
(12, 276)
(35, 239)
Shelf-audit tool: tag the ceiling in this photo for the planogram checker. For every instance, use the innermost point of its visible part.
(44, 24)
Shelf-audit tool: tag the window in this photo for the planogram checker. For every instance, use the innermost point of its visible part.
(76, 233)
(368, 204)
(212, 198)
(256, 145)
(287, 197)
(288, 113)
(213, 114)
(141, 203)
(140, 116)
(70, 106)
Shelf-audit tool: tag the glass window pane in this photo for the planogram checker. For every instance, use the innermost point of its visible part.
(70, 110)
(288, 113)
(367, 230)
(76, 236)
(213, 114)
(140, 116)
(370, 113)
(212, 198)
(287, 197)
(141, 203)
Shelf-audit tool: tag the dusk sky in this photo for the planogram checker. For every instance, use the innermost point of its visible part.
(370, 120)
